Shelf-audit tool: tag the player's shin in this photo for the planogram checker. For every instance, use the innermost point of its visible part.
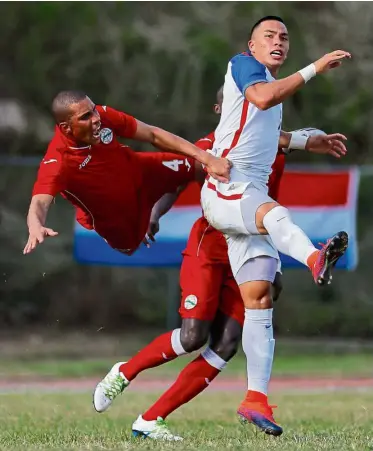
(192, 380)
(161, 350)
(258, 345)
(288, 238)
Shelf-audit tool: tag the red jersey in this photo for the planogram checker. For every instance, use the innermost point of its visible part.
(215, 246)
(113, 187)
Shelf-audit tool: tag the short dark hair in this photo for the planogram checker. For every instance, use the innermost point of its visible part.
(62, 102)
(264, 19)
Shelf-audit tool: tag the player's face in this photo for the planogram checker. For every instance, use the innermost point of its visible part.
(84, 123)
(270, 44)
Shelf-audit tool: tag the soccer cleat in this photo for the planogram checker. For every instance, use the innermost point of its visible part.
(155, 429)
(327, 258)
(260, 415)
(109, 388)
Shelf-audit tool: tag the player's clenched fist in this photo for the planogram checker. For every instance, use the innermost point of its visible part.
(330, 61)
(218, 168)
(36, 237)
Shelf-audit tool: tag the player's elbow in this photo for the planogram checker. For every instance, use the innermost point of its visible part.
(265, 102)
(263, 99)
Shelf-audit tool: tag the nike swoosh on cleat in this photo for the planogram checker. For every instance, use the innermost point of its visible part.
(208, 382)
(268, 327)
(164, 356)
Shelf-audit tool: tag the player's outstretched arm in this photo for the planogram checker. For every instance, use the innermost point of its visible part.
(217, 167)
(36, 218)
(267, 95)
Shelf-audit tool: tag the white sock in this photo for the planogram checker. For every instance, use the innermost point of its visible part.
(176, 342)
(213, 359)
(259, 347)
(286, 236)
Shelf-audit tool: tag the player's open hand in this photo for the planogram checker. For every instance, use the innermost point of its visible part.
(219, 168)
(331, 60)
(327, 144)
(153, 229)
(37, 237)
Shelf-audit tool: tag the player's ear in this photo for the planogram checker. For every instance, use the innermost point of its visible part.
(217, 108)
(65, 128)
(251, 46)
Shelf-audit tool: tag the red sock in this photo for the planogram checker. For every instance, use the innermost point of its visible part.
(156, 353)
(256, 396)
(311, 260)
(194, 378)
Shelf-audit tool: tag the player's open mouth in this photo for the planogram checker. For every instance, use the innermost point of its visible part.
(277, 54)
(96, 134)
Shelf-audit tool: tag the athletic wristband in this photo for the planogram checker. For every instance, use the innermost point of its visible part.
(298, 140)
(308, 72)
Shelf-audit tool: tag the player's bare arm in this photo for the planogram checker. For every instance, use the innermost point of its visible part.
(36, 219)
(218, 168)
(315, 141)
(267, 95)
(160, 209)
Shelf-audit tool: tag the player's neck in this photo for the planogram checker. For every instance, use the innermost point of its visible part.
(274, 71)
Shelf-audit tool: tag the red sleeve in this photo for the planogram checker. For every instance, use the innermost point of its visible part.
(123, 124)
(48, 180)
(207, 142)
(276, 175)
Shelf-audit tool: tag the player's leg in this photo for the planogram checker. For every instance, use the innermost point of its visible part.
(200, 283)
(200, 286)
(226, 331)
(226, 334)
(255, 279)
(163, 173)
(265, 216)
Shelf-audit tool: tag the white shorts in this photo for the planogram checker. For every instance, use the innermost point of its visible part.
(231, 208)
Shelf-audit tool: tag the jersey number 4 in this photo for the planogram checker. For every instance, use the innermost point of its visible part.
(174, 164)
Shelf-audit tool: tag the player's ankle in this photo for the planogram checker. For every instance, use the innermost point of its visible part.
(311, 260)
(122, 372)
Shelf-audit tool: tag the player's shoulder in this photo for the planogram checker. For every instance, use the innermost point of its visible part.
(246, 59)
(106, 114)
(56, 144)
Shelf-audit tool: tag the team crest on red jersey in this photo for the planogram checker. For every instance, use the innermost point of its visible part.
(190, 302)
(106, 135)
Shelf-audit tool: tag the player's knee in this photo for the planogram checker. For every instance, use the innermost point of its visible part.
(194, 335)
(257, 295)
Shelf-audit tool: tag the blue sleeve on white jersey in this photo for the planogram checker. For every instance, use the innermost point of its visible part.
(247, 71)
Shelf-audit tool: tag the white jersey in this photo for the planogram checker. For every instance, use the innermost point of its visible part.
(246, 135)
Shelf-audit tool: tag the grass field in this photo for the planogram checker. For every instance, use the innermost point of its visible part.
(68, 422)
(42, 418)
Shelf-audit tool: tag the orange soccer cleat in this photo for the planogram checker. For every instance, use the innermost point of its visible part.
(255, 410)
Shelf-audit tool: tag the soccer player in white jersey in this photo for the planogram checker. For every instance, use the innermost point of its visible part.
(255, 226)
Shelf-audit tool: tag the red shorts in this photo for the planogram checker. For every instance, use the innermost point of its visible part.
(206, 279)
(154, 174)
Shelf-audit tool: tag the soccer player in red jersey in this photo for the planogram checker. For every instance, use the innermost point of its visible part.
(211, 305)
(113, 188)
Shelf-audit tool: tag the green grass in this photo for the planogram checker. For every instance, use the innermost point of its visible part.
(340, 421)
(335, 365)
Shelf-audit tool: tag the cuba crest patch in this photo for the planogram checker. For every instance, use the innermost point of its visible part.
(106, 135)
(190, 302)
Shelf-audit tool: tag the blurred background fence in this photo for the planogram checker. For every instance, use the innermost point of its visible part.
(163, 62)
